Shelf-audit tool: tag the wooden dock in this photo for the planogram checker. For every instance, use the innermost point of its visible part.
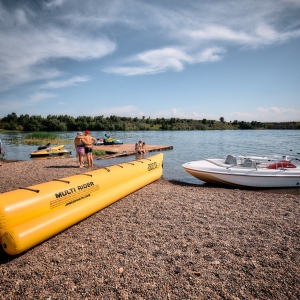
(126, 150)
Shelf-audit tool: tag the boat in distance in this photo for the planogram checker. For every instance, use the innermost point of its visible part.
(112, 141)
(252, 172)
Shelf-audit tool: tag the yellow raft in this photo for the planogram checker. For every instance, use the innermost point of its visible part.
(30, 215)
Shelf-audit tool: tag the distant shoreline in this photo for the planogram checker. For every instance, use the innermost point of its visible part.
(116, 123)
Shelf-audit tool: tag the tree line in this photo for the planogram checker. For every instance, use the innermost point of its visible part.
(115, 123)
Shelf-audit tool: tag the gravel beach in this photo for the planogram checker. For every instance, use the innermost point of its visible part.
(168, 240)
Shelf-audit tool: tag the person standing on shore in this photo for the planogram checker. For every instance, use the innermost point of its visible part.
(79, 147)
(0, 146)
(88, 141)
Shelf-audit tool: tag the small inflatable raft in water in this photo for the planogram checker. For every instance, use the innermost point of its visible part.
(30, 215)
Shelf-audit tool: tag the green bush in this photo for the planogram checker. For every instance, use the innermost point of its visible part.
(99, 152)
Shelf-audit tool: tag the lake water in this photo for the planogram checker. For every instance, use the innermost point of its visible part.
(188, 146)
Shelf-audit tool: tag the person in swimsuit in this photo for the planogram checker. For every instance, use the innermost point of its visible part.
(79, 146)
(88, 141)
(138, 147)
(144, 148)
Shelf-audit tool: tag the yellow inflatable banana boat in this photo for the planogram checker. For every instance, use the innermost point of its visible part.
(33, 214)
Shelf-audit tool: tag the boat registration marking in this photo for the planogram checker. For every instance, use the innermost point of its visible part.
(152, 166)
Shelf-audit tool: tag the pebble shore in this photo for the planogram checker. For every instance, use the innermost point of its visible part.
(168, 240)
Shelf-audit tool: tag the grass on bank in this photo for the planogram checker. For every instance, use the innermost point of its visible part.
(39, 138)
(99, 152)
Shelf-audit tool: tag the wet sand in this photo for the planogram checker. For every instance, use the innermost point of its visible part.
(168, 240)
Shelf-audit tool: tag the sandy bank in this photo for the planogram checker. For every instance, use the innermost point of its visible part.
(165, 241)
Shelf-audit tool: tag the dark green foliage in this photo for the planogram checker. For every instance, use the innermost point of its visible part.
(115, 123)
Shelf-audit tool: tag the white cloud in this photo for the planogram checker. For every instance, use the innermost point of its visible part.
(261, 114)
(169, 113)
(25, 105)
(154, 61)
(9, 106)
(204, 27)
(199, 116)
(27, 48)
(56, 84)
(20, 17)
(126, 110)
(161, 60)
(267, 114)
(54, 3)
(214, 32)
(209, 55)
(277, 110)
(196, 31)
(263, 34)
(183, 113)
(40, 41)
(40, 97)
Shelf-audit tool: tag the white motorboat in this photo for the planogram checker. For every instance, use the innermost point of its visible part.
(258, 172)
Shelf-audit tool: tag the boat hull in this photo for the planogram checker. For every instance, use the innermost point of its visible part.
(52, 153)
(113, 143)
(28, 216)
(244, 177)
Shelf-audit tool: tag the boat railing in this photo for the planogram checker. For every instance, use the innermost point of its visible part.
(283, 163)
(255, 162)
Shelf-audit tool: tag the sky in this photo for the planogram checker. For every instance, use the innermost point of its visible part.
(194, 59)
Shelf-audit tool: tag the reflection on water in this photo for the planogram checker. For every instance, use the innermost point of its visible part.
(187, 146)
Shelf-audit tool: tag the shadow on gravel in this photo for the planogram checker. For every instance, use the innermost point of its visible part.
(62, 167)
(181, 183)
(5, 258)
(202, 185)
(7, 161)
(289, 191)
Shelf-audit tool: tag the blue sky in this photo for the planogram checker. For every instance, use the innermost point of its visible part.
(196, 59)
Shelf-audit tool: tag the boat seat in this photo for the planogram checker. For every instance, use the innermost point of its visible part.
(230, 160)
(248, 163)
